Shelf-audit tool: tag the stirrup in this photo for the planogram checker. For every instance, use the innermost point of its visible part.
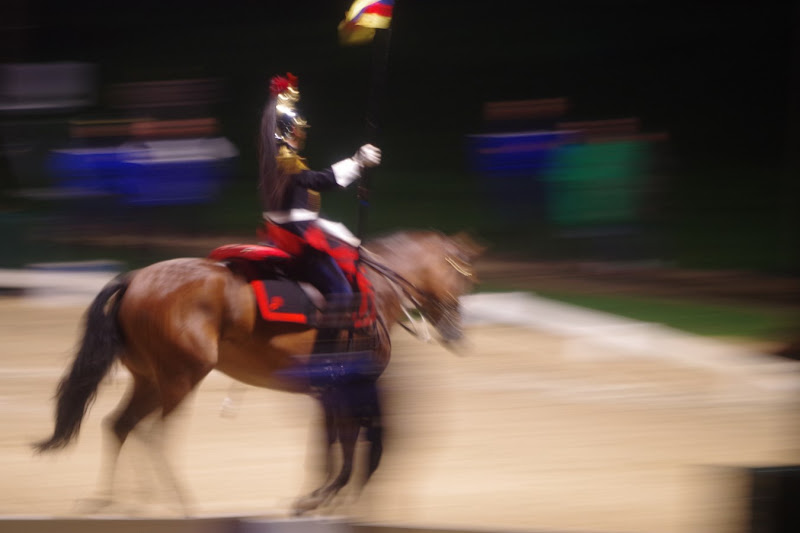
(325, 370)
(322, 371)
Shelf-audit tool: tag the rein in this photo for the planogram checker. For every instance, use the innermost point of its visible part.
(407, 288)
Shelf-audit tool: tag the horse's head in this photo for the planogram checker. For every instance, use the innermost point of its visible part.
(444, 273)
(435, 271)
(447, 277)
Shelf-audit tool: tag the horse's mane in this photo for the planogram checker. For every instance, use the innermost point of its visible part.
(406, 242)
(403, 239)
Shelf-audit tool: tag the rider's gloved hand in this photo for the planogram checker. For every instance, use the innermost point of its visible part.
(349, 170)
(368, 156)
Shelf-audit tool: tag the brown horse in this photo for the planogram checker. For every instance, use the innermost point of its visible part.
(173, 322)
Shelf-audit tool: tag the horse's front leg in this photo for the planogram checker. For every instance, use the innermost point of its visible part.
(372, 418)
(340, 426)
(329, 402)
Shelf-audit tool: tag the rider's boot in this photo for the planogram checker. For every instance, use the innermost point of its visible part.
(339, 357)
(335, 318)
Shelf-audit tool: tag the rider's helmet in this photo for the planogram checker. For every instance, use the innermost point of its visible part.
(289, 125)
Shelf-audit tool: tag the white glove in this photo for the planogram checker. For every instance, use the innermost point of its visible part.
(349, 170)
(368, 156)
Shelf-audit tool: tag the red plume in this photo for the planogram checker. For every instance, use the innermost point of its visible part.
(278, 84)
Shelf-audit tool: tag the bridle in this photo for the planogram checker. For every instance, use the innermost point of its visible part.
(459, 266)
(423, 301)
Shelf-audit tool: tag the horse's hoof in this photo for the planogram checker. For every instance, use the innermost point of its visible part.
(229, 408)
(307, 504)
(460, 347)
(182, 509)
(92, 505)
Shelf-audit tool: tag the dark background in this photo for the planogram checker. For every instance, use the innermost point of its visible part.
(720, 78)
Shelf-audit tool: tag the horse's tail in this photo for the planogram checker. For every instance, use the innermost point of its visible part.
(99, 348)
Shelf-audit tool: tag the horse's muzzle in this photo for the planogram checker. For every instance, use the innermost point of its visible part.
(450, 329)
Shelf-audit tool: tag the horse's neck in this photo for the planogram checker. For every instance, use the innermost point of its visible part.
(389, 297)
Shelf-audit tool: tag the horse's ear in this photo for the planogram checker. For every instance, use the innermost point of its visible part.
(468, 245)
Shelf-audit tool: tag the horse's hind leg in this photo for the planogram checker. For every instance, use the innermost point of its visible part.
(142, 399)
(331, 438)
(175, 384)
(155, 441)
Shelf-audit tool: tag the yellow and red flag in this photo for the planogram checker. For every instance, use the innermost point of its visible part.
(363, 18)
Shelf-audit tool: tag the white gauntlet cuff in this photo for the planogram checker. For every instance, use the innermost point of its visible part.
(346, 171)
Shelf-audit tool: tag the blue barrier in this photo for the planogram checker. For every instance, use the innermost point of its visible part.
(171, 182)
(88, 171)
(155, 173)
(512, 167)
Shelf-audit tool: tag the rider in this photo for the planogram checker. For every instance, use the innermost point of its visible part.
(290, 196)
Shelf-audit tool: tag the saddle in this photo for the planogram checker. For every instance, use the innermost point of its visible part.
(281, 298)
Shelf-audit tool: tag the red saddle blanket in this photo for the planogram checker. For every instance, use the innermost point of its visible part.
(285, 300)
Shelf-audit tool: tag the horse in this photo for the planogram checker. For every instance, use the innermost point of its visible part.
(171, 323)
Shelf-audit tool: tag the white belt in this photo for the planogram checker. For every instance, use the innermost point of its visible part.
(293, 215)
(334, 229)
(339, 231)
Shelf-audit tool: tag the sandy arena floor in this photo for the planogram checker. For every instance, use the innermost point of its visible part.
(521, 434)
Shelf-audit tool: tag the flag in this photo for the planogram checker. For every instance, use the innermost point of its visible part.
(363, 18)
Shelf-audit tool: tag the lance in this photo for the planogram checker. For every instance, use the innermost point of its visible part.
(380, 56)
(370, 21)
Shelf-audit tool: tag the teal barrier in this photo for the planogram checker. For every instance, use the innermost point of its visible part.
(597, 184)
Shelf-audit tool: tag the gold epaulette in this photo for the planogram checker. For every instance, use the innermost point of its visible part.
(289, 162)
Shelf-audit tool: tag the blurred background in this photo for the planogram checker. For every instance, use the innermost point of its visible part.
(640, 158)
(615, 130)
(583, 142)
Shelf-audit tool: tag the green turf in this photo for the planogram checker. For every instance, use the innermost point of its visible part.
(714, 320)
